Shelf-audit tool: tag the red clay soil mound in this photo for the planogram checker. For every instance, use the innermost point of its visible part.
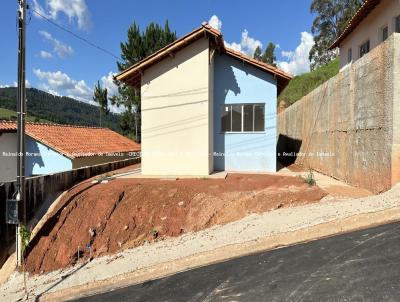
(125, 213)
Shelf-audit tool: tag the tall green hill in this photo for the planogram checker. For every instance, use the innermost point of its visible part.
(45, 107)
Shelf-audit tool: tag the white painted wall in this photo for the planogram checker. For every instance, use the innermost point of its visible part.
(39, 159)
(370, 29)
(8, 162)
(175, 114)
(211, 112)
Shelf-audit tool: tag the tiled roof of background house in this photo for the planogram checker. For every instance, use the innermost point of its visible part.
(132, 75)
(75, 141)
(358, 17)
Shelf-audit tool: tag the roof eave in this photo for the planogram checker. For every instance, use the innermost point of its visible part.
(132, 75)
(128, 75)
(366, 8)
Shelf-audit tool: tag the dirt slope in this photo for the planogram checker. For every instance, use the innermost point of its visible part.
(125, 213)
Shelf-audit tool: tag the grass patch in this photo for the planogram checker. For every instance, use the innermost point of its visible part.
(6, 114)
(310, 180)
(10, 115)
(303, 84)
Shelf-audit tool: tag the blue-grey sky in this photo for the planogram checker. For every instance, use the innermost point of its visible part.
(61, 64)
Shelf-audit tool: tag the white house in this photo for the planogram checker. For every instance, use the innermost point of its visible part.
(52, 148)
(206, 107)
(373, 23)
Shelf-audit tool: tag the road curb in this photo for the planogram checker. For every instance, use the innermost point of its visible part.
(225, 253)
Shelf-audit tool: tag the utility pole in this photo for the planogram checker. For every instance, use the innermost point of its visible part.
(21, 108)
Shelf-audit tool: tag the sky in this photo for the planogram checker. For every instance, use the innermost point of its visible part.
(61, 64)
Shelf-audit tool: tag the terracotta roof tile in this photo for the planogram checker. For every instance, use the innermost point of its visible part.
(75, 141)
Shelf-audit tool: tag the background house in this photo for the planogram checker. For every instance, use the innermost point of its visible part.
(373, 23)
(52, 148)
(206, 108)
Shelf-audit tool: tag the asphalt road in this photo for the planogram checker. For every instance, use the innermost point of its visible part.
(360, 266)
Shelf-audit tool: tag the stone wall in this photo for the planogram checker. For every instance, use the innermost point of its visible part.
(42, 191)
(349, 127)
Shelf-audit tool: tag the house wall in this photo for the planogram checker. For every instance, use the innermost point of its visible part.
(370, 28)
(39, 158)
(211, 71)
(175, 113)
(236, 82)
(349, 128)
(8, 162)
(97, 160)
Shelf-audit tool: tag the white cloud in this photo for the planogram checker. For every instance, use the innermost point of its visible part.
(108, 82)
(53, 92)
(76, 11)
(60, 83)
(61, 49)
(45, 55)
(4, 86)
(298, 62)
(247, 44)
(15, 84)
(215, 22)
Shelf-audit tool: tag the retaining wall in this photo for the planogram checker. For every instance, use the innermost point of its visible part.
(41, 190)
(349, 127)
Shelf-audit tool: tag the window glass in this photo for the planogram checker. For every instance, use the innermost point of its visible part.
(236, 118)
(259, 118)
(248, 111)
(226, 119)
(242, 118)
(364, 49)
(398, 24)
(385, 33)
(349, 55)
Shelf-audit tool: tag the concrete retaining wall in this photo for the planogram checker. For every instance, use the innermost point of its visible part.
(42, 190)
(349, 127)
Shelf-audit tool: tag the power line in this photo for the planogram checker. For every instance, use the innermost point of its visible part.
(75, 35)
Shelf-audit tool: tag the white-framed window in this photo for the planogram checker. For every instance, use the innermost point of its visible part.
(243, 118)
(384, 33)
(349, 55)
(397, 24)
(364, 48)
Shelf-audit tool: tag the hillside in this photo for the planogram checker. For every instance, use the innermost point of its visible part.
(6, 114)
(303, 84)
(45, 107)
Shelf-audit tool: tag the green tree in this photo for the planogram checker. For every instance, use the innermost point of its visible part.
(258, 54)
(100, 96)
(331, 19)
(138, 46)
(269, 56)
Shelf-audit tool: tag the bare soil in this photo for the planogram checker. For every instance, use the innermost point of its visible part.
(126, 213)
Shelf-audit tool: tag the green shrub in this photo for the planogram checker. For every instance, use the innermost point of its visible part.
(310, 180)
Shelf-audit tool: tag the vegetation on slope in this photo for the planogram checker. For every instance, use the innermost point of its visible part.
(303, 84)
(10, 115)
(43, 106)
